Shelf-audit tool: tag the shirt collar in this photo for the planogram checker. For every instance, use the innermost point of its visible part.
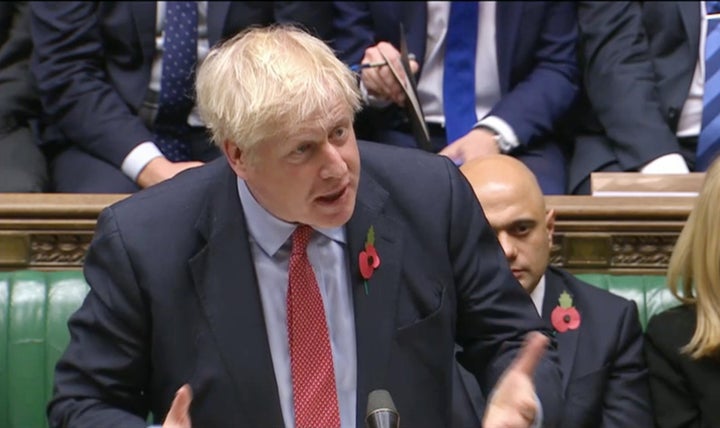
(538, 294)
(268, 231)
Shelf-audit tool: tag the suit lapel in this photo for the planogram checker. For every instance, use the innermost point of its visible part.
(375, 304)
(225, 283)
(507, 25)
(690, 14)
(567, 341)
(217, 11)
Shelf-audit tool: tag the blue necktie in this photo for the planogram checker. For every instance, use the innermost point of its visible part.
(459, 71)
(176, 84)
(709, 139)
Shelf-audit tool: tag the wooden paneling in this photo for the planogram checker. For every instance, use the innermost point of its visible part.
(614, 234)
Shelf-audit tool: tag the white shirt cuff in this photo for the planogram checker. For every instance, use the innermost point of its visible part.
(672, 163)
(501, 127)
(372, 100)
(138, 158)
(538, 422)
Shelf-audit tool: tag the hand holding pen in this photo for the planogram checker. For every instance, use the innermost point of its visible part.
(376, 75)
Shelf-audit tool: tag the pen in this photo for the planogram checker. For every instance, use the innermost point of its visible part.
(358, 67)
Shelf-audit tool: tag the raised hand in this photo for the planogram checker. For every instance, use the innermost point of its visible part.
(513, 403)
(179, 414)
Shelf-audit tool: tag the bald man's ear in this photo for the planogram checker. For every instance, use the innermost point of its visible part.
(550, 225)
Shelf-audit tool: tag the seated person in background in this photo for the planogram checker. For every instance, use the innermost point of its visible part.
(493, 76)
(122, 112)
(203, 283)
(644, 70)
(598, 334)
(683, 344)
(22, 164)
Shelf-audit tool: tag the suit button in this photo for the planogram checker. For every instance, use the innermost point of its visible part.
(672, 113)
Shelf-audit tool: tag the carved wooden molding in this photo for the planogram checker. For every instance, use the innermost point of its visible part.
(614, 234)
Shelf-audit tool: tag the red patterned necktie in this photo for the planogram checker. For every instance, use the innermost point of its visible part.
(313, 377)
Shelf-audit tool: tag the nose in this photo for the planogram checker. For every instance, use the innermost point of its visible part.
(508, 246)
(334, 165)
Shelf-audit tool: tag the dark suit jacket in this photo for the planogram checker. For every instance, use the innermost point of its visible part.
(535, 45)
(174, 299)
(93, 62)
(638, 63)
(685, 392)
(605, 381)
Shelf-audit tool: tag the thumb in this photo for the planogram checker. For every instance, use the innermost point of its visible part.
(532, 351)
(179, 414)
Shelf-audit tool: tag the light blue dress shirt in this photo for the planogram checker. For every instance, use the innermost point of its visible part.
(270, 245)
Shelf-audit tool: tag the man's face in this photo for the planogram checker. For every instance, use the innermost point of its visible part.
(311, 176)
(524, 230)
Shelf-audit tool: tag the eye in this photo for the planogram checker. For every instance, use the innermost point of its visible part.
(302, 149)
(339, 133)
(522, 229)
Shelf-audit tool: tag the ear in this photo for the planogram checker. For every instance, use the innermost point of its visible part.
(550, 225)
(236, 158)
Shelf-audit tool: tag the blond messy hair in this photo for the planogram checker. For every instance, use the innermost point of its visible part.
(263, 81)
(694, 270)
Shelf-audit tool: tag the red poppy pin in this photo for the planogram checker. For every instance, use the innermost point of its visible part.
(369, 259)
(565, 316)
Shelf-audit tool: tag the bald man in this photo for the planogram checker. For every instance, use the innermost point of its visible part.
(599, 337)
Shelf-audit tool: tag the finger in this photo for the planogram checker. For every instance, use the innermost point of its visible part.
(453, 152)
(531, 353)
(179, 414)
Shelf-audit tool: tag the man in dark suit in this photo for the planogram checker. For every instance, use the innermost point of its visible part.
(99, 70)
(641, 69)
(526, 77)
(189, 279)
(600, 342)
(22, 165)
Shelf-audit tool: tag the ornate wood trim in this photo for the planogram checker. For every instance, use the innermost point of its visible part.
(613, 234)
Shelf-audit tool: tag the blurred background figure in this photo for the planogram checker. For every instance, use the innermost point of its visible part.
(22, 165)
(683, 343)
(649, 71)
(492, 77)
(116, 81)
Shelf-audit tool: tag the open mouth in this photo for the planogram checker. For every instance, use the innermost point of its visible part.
(333, 197)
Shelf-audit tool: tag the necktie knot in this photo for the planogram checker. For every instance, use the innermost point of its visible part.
(301, 238)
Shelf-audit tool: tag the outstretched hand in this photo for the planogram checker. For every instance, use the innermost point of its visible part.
(513, 403)
(179, 414)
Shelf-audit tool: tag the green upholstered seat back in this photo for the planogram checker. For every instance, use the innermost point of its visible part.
(34, 308)
(648, 291)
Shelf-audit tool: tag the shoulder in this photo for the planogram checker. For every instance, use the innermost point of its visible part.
(179, 198)
(673, 327)
(408, 171)
(592, 296)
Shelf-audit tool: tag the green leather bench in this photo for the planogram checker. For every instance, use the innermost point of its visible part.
(35, 306)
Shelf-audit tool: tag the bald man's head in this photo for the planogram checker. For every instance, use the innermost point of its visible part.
(515, 207)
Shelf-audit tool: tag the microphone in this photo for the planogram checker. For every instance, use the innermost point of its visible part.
(381, 412)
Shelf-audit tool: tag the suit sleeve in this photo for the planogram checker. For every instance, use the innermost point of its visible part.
(672, 400)
(619, 80)
(353, 30)
(627, 396)
(69, 65)
(495, 313)
(545, 94)
(314, 16)
(102, 377)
